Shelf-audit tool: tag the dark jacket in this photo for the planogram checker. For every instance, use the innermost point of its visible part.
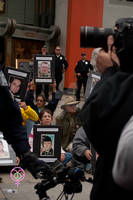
(83, 68)
(60, 64)
(69, 124)
(103, 116)
(11, 123)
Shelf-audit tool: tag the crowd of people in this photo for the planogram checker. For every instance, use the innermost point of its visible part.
(103, 125)
(37, 101)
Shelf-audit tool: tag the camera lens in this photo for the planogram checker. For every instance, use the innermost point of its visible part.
(93, 37)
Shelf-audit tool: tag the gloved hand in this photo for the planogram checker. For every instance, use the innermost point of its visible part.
(38, 168)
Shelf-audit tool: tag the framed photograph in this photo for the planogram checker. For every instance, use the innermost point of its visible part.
(7, 154)
(17, 81)
(26, 65)
(43, 69)
(93, 78)
(47, 142)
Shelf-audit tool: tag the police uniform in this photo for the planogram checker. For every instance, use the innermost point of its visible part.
(82, 67)
(60, 65)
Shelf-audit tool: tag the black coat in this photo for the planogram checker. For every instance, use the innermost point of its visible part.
(60, 64)
(83, 68)
(11, 122)
(104, 115)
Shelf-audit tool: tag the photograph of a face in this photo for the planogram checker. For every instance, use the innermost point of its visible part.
(47, 145)
(44, 69)
(17, 81)
(15, 84)
(4, 151)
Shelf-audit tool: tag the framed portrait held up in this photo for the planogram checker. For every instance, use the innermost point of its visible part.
(26, 65)
(43, 69)
(93, 78)
(17, 81)
(47, 142)
(7, 154)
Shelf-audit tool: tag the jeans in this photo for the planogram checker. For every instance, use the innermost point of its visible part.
(68, 157)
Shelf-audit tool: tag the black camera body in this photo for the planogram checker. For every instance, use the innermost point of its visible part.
(93, 37)
(69, 177)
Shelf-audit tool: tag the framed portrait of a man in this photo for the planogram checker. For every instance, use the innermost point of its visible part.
(47, 142)
(43, 69)
(17, 81)
(26, 65)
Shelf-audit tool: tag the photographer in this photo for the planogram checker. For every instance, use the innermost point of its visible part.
(13, 131)
(109, 108)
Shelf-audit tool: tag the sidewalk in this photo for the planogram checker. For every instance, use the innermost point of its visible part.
(26, 190)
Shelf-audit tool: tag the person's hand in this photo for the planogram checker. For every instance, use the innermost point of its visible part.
(17, 161)
(23, 105)
(103, 61)
(62, 157)
(88, 154)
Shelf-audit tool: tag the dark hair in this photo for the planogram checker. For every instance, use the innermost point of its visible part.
(43, 111)
(12, 78)
(47, 139)
(41, 95)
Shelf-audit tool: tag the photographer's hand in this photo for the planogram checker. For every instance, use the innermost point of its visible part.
(103, 61)
(107, 59)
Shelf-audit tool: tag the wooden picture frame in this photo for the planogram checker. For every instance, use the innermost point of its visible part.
(47, 142)
(7, 156)
(21, 78)
(44, 69)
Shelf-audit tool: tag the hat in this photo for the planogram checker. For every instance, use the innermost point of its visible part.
(83, 54)
(69, 101)
(44, 46)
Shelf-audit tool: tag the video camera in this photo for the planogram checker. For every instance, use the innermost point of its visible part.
(68, 176)
(93, 37)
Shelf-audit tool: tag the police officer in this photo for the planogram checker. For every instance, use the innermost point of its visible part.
(13, 131)
(82, 69)
(61, 65)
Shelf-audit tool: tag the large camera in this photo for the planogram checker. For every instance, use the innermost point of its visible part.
(69, 177)
(92, 37)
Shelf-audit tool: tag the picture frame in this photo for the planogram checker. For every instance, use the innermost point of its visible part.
(7, 156)
(47, 142)
(26, 65)
(44, 69)
(93, 78)
(19, 79)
